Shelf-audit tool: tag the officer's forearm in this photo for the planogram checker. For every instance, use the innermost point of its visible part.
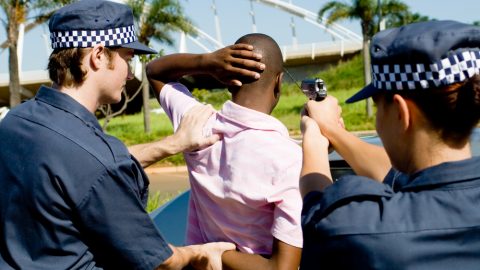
(365, 159)
(315, 174)
(149, 153)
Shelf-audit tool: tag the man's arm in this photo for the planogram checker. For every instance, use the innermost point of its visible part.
(284, 257)
(315, 174)
(188, 137)
(226, 65)
(365, 159)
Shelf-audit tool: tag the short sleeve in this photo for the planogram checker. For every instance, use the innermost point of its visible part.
(176, 100)
(288, 206)
(117, 228)
(351, 199)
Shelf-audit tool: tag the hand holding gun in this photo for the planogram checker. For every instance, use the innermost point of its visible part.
(314, 89)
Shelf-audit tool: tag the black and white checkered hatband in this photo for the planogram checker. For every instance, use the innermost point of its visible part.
(457, 67)
(89, 38)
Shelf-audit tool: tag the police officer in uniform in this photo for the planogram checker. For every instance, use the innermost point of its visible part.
(414, 203)
(73, 197)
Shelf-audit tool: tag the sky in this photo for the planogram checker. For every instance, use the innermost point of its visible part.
(235, 20)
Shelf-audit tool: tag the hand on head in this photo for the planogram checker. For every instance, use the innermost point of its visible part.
(233, 62)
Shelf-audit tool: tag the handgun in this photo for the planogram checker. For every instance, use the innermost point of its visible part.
(314, 89)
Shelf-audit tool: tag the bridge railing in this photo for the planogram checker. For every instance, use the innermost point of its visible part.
(314, 50)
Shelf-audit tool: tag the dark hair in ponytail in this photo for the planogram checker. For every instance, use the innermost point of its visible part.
(452, 110)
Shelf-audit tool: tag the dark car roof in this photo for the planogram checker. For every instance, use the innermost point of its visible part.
(475, 144)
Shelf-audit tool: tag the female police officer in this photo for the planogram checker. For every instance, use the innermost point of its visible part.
(424, 213)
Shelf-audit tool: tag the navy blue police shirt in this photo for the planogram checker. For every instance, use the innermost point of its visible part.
(71, 197)
(428, 220)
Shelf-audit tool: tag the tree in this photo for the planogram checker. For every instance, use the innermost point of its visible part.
(109, 113)
(406, 18)
(367, 11)
(156, 20)
(16, 13)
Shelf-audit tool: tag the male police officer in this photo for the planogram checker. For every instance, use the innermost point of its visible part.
(73, 197)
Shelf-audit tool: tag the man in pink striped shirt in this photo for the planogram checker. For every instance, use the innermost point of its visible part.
(244, 188)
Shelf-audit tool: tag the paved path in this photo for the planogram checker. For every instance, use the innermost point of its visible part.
(168, 179)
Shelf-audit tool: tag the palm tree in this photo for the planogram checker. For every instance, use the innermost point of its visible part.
(16, 13)
(156, 21)
(367, 11)
(406, 18)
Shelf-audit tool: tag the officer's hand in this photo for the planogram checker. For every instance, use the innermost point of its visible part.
(209, 256)
(189, 134)
(229, 64)
(327, 113)
(310, 129)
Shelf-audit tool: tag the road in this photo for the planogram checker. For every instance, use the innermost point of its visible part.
(168, 180)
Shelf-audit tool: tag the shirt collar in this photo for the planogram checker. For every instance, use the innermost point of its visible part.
(66, 103)
(443, 174)
(251, 118)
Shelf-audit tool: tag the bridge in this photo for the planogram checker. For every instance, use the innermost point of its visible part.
(335, 42)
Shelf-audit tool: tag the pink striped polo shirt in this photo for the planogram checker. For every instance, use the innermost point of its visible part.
(244, 188)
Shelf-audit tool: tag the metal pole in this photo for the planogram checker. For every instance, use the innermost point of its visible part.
(381, 21)
(21, 35)
(252, 14)
(217, 22)
(294, 32)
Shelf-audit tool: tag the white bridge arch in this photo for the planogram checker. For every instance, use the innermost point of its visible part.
(342, 41)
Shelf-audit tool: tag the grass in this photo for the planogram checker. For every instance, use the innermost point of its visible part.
(157, 199)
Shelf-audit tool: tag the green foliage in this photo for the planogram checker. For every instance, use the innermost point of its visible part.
(289, 89)
(288, 110)
(129, 129)
(157, 199)
(215, 97)
(345, 75)
(394, 12)
(159, 20)
(354, 115)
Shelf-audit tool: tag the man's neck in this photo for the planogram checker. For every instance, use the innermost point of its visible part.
(252, 101)
(83, 95)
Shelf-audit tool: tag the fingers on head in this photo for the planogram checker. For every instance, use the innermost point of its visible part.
(242, 46)
(245, 72)
(227, 245)
(245, 51)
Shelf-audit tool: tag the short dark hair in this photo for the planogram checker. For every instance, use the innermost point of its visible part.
(452, 110)
(271, 55)
(65, 65)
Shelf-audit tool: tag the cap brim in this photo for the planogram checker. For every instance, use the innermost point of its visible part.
(139, 48)
(366, 92)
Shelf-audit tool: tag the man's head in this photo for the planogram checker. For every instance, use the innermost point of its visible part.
(78, 29)
(266, 90)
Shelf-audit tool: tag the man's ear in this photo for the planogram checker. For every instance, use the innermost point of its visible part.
(97, 56)
(403, 111)
(278, 85)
